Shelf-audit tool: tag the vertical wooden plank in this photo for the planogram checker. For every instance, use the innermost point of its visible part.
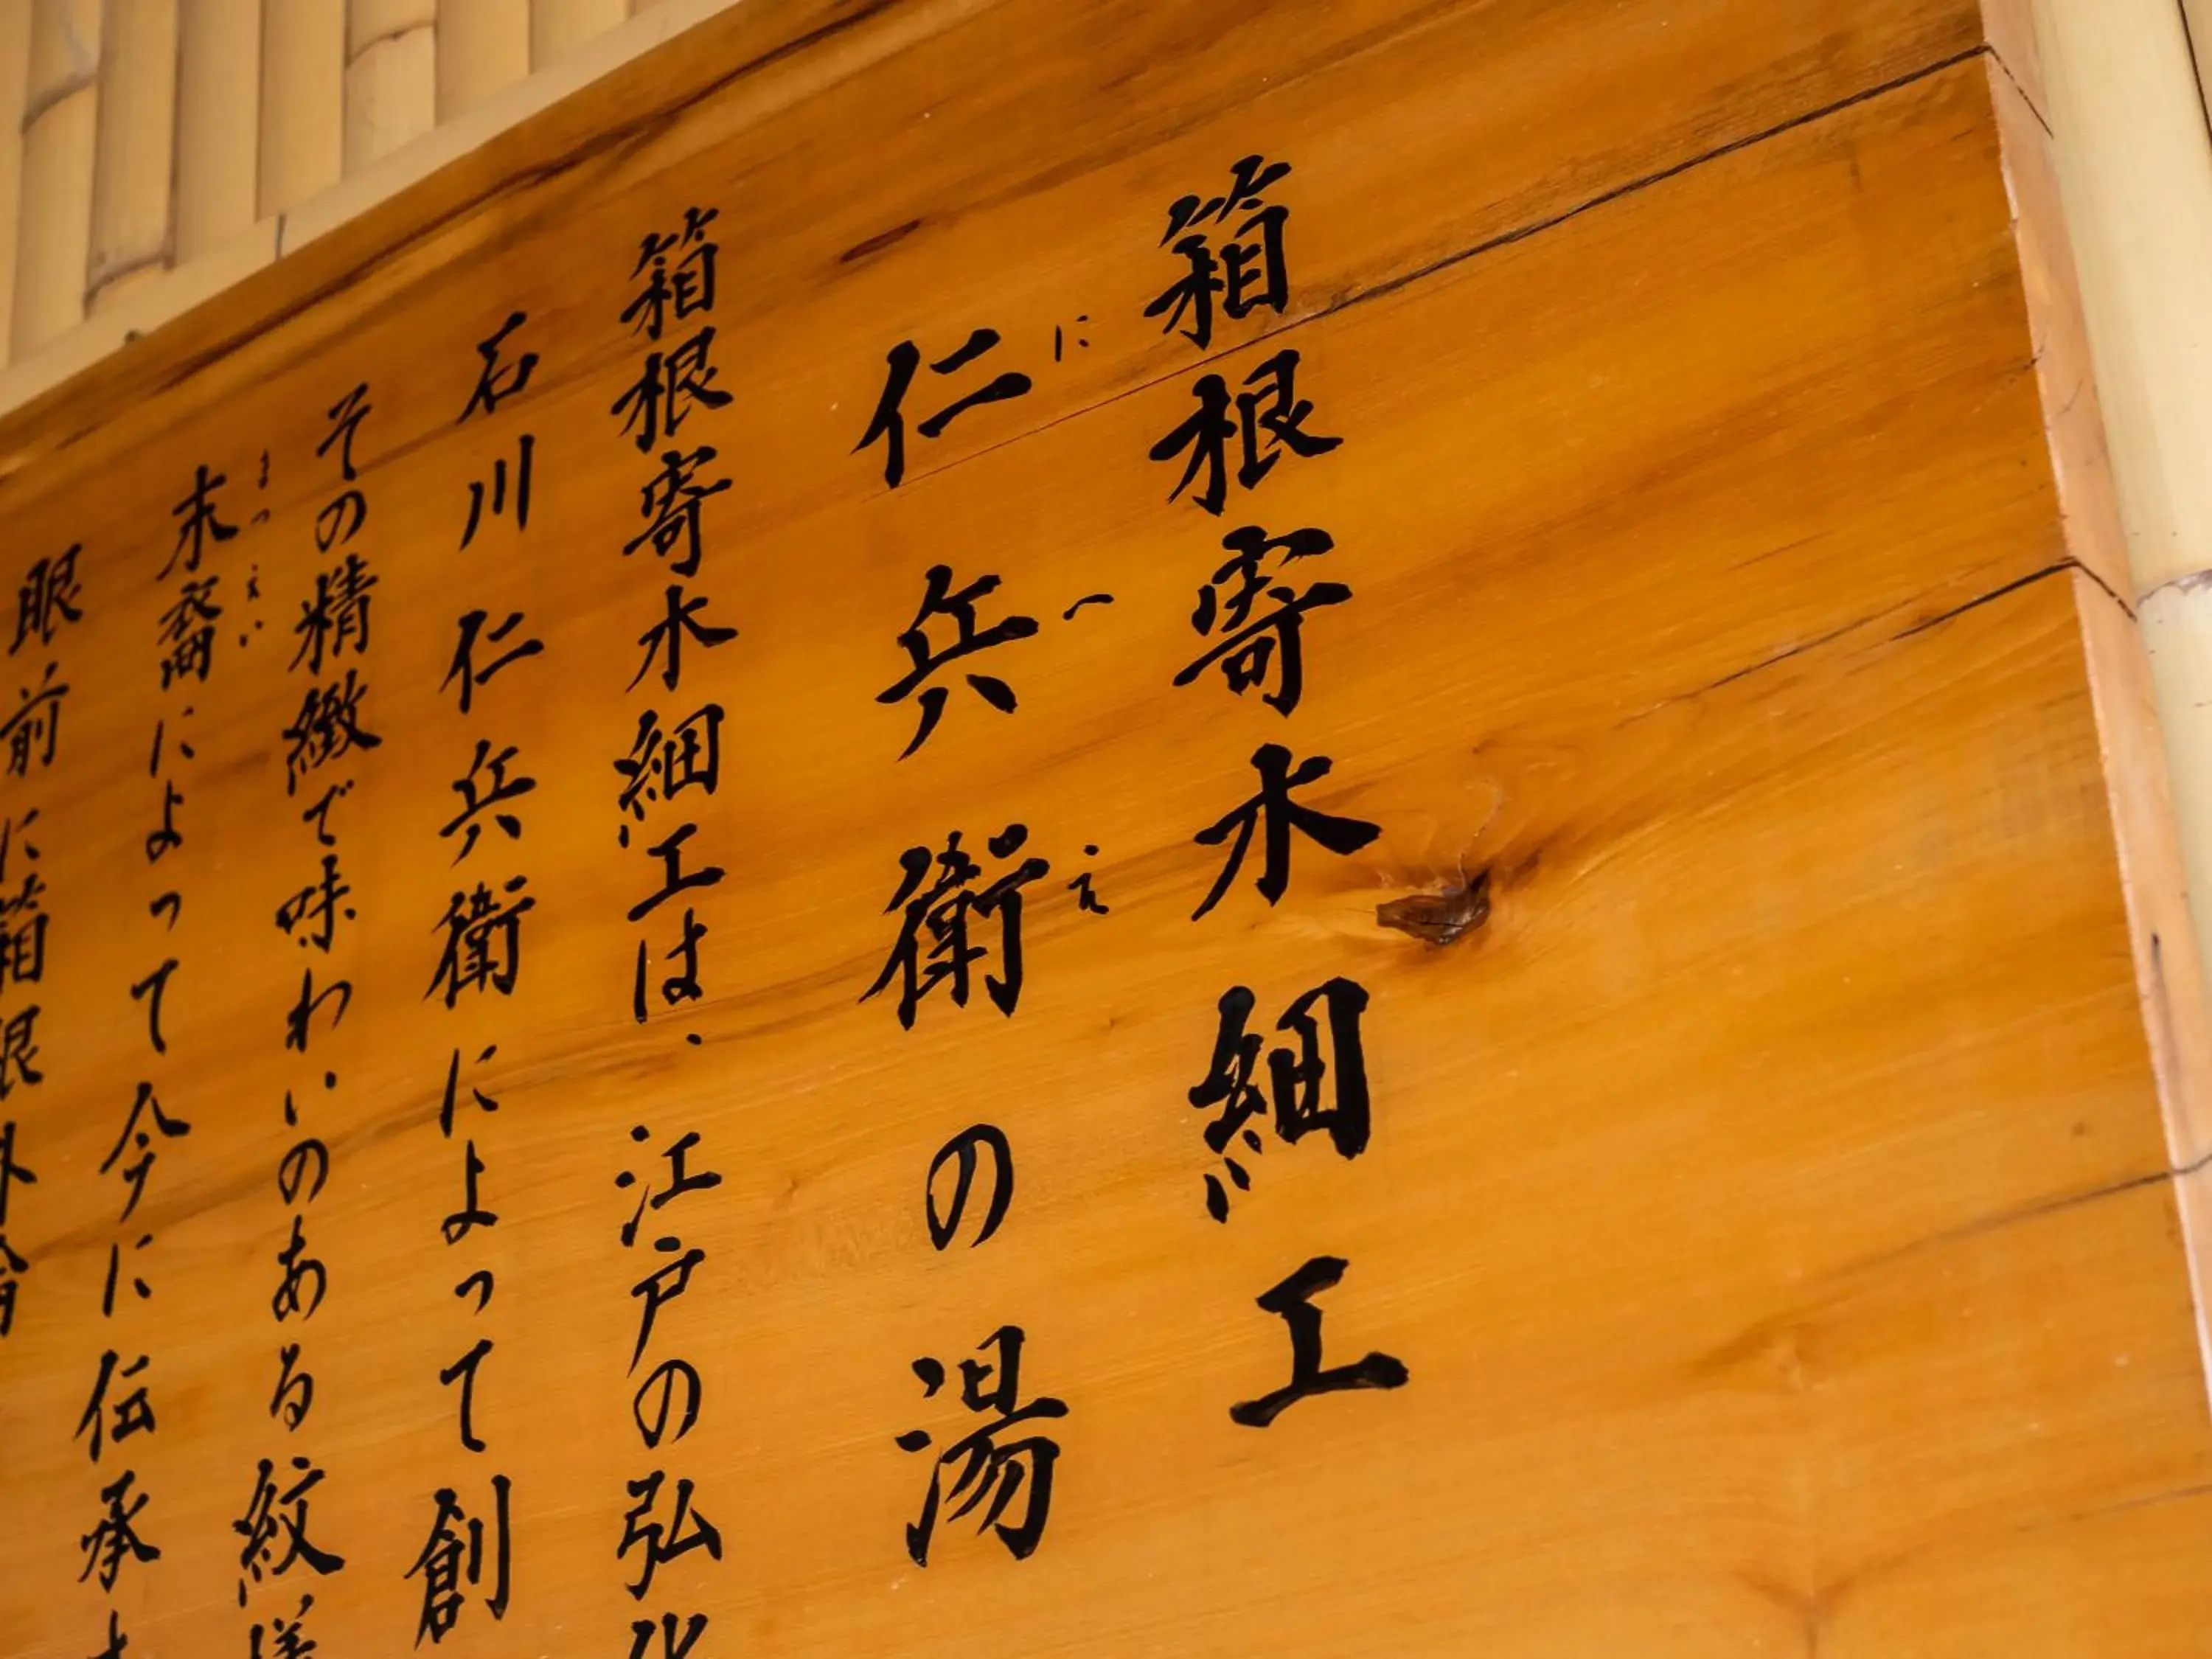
(134, 157)
(558, 27)
(391, 77)
(59, 129)
(483, 47)
(218, 122)
(14, 77)
(302, 101)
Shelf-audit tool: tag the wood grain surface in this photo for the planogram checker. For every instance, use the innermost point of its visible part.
(1772, 1191)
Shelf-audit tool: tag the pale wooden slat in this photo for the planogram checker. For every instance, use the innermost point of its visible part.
(135, 158)
(64, 46)
(392, 79)
(370, 20)
(60, 115)
(303, 58)
(218, 122)
(558, 27)
(483, 46)
(14, 78)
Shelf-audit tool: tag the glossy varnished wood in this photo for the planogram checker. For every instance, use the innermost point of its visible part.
(1770, 1197)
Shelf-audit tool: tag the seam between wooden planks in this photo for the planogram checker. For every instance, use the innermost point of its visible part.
(2018, 582)
(1804, 647)
(1489, 245)
(643, 128)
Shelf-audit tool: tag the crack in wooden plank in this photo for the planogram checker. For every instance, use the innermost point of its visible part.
(1491, 244)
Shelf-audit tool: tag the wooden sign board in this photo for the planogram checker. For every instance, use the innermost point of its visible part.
(1010, 828)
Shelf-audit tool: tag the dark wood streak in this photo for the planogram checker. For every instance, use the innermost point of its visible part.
(878, 242)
